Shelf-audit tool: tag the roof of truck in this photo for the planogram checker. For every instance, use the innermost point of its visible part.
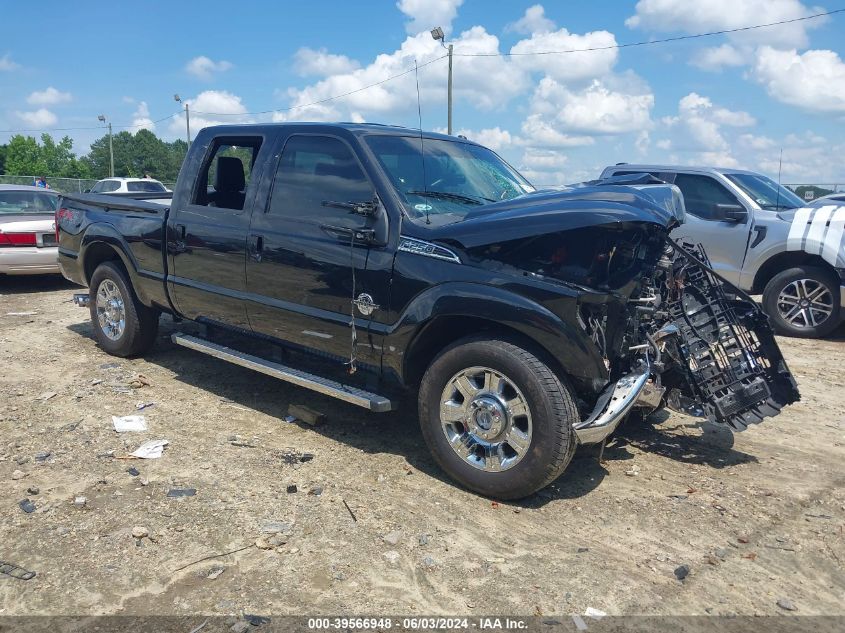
(355, 128)
(695, 168)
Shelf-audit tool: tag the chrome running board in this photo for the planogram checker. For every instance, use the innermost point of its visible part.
(352, 395)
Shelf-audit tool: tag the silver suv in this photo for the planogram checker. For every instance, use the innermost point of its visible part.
(762, 238)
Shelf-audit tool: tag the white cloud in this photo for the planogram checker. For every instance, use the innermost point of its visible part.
(754, 142)
(322, 63)
(569, 66)
(495, 138)
(427, 14)
(398, 96)
(40, 118)
(533, 21)
(715, 15)
(6, 63)
(141, 118)
(211, 107)
(698, 131)
(204, 68)
(50, 96)
(538, 131)
(715, 58)
(813, 80)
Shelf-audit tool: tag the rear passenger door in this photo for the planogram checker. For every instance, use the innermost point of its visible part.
(725, 240)
(207, 233)
(306, 260)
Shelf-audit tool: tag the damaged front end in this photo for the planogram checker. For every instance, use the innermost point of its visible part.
(669, 330)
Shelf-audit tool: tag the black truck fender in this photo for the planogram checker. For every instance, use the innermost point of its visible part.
(102, 242)
(450, 311)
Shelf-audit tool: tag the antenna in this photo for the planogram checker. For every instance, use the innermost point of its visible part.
(780, 169)
(422, 147)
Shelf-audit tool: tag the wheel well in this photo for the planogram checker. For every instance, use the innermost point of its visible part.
(443, 331)
(783, 261)
(96, 254)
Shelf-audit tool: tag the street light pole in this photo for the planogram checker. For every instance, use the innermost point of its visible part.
(438, 35)
(178, 99)
(449, 123)
(102, 118)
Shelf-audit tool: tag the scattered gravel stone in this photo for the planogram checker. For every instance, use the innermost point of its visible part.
(581, 550)
(240, 627)
(429, 563)
(306, 457)
(277, 540)
(392, 556)
(263, 543)
(786, 604)
(27, 506)
(215, 572)
(633, 471)
(42, 456)
(274, 527)
(62, 531)
(316, 491)
(682, 572)
(393, 538)
(181, 492)
(292, 489)
(424, 539)
(18, 474)
(721, 553)
(140, 532)
(80, 502)
(133, 471)
(33, 490)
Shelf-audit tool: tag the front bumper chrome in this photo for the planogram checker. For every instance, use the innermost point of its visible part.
(842, 296)
(613, 405)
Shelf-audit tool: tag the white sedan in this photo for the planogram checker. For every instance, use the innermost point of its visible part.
(28, 230)
(128, 185)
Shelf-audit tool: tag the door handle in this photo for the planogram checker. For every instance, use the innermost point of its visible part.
(363, 236)
(181, 231)
(256, 247)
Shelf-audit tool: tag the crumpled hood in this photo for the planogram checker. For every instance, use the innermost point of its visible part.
(551, 211)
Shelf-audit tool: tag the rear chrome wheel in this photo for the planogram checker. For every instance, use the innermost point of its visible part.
(111, 311)
(486, 419)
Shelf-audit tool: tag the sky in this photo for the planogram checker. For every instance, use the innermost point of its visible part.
(741, 99)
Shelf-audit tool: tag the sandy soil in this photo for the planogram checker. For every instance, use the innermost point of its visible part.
(758, 517)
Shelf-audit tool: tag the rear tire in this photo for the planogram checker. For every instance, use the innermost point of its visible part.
(496, 418)
(123, 326)
(803, 301)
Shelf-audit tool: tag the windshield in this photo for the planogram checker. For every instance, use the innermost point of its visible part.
(455, 177)
(34, 202)
(766, 192)
(150, 186)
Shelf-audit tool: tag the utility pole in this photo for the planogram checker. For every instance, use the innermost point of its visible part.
(178, 99)
(438, 35)
(102, 118)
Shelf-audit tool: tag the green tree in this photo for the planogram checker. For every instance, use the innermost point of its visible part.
(23, 156)
(3, 150)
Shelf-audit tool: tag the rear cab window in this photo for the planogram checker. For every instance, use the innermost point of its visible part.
(226, 173)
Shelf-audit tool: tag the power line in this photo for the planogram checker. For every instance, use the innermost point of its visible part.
(95, 127)
(660, 41)
(327, 99)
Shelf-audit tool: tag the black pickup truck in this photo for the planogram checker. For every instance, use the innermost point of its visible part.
(369, 262)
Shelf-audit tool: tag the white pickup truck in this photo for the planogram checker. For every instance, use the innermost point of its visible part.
(763, 239)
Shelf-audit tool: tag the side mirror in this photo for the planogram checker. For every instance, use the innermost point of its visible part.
(86, 191)
(732, 213)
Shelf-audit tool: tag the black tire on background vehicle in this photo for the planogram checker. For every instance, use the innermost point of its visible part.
(496, 418)
(803, 301)
(123, 326)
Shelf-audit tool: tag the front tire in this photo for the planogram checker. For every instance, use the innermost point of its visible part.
(496, 418)
(123, 326)
(803, 301)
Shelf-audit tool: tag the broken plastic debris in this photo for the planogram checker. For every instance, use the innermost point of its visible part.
(129, 423)
(47, 395)
(594, 613)
(28, 313)
(144, 405)
(181, 492)
(151, 449)
(290, 419)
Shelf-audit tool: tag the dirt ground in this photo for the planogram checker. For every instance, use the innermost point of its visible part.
(758, 517)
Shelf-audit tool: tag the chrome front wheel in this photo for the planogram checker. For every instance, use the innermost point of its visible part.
(486, 419)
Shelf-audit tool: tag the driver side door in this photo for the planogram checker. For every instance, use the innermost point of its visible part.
(725, 240)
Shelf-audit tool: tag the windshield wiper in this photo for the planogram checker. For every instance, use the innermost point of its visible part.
(448, 196)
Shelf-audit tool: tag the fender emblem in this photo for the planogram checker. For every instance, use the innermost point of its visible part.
(365, 304)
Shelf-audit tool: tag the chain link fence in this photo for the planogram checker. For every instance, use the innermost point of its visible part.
(62, 185)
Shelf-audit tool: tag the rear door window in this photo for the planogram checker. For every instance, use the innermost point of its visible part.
(227, 172)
